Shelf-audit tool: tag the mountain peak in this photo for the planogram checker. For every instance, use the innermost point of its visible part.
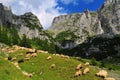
(29, 14)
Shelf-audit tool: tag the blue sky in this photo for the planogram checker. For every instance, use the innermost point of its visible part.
(46, 10)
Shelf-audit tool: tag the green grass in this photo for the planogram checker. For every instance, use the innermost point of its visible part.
(10, 72)
(64, 70)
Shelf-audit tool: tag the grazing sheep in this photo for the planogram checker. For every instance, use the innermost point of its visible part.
(27, 74)
(86, 70)
(30, 75)
(109, 78)
(21, 61)
(52, 66)
(28, 56)
(62, 56)
(79, 66)
(49, 57)
(78, 73)
(46, 52)
(40, 51)
(14, 58)
(30, 51)
(54, 54)
(87, 64)
(9, 58)
(34, 55)
(102, 73)
(16, 47)
(67, 57)
(57, 54)
(21, 48)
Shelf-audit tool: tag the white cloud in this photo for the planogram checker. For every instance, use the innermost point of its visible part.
(45, 10)
(7, 2)
(88, 1)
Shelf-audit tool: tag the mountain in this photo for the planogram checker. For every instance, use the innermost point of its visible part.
(105, 21)
(90, 34)
(77, 34)
(80, 25)
(25, 45)
(24, 30)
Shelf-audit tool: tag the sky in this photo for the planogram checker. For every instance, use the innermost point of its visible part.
(46, 10)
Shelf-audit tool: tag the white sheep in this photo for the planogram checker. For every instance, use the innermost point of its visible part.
(52, 66)
(14, 58)
(27, 74)
(87, 64)
(102, 73)
(49, 57)
(79, 66)
(28, 56)
(86, 70)
(67, 57)
(34, 55)
(78, 73)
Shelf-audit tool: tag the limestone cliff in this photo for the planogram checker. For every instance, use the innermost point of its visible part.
(81, 24)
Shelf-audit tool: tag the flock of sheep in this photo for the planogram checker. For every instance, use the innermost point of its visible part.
(33, 53)
(101, 73)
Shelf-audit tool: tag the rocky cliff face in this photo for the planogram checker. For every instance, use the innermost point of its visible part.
(105, 21)
(81, 24)
(27, 24)
(109, 15)
(5, 15)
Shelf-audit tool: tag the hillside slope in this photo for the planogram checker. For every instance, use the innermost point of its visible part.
(40, 67)
(10, 72)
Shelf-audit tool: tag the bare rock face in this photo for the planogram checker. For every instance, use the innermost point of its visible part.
(81, 24)
(109, 15)
(5, 15)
